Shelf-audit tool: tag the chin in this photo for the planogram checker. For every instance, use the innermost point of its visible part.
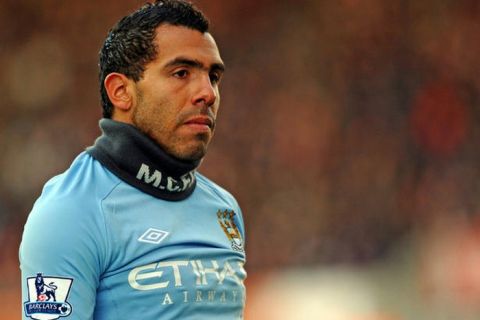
(191, 154)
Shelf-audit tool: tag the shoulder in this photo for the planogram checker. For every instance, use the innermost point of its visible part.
(215, 190)
(72, 199)
(86, 181)
(68, 215)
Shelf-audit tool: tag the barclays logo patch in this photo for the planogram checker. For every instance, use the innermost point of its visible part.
(47, 297)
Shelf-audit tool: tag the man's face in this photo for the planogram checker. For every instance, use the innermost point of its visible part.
(177, 100)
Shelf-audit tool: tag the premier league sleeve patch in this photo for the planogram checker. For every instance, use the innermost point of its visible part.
(47, 297)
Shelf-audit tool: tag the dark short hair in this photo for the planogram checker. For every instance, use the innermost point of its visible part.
(129, 45)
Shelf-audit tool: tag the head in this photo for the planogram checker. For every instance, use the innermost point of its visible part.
(39, 278)
(159, 70)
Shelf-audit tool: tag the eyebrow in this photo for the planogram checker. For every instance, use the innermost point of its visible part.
(180, 61)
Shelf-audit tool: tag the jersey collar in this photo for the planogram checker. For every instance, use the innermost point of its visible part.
(141, 162)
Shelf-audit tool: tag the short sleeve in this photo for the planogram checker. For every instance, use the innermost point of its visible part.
(61, 259)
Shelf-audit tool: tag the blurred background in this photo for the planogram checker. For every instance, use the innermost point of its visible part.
(348, 131)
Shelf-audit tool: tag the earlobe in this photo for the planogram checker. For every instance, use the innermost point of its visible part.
(118, 91)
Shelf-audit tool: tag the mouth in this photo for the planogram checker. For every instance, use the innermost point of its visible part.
(200, 122)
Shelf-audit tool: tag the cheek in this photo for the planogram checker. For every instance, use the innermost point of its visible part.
(215, 108)
(217, 102)
(165, 116)
(153, 114)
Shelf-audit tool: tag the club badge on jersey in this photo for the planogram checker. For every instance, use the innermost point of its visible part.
(227, 222)
(47, 297)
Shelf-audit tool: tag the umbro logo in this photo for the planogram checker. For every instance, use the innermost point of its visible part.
(154, 236)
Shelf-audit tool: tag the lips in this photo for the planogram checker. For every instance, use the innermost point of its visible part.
(200, 120)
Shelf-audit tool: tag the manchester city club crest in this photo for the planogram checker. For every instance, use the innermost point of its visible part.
(227, 222)
(47, 297)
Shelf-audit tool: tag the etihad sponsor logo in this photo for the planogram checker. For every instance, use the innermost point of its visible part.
(158, 180)
(226, 219)
(167, 274)
(210, 281)
(202, 296)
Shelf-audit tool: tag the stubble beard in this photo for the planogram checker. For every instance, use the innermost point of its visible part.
(175, 146)
(184, 150)
(196, 153)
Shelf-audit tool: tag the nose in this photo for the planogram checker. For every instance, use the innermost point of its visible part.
(206, 93)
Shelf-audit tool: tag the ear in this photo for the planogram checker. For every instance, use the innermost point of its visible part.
(120, 90)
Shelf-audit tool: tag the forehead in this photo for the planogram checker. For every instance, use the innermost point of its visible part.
(174, 41)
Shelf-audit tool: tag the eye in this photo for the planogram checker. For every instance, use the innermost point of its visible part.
(215, 77)
(183, 73)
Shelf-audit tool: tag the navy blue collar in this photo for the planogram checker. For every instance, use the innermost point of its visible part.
(141, 162)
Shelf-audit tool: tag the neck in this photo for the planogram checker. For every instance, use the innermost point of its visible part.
(141, 162)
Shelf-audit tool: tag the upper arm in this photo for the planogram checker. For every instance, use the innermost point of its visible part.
(62, 245)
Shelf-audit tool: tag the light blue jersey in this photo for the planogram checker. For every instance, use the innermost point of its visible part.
(95, 247)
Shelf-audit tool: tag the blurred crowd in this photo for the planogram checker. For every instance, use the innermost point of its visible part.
(345, 126)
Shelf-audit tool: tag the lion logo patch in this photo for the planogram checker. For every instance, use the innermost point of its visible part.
(47, 297)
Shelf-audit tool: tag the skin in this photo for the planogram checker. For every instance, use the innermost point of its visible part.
(177, 100)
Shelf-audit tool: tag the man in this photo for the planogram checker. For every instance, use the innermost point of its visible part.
(131, 230)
